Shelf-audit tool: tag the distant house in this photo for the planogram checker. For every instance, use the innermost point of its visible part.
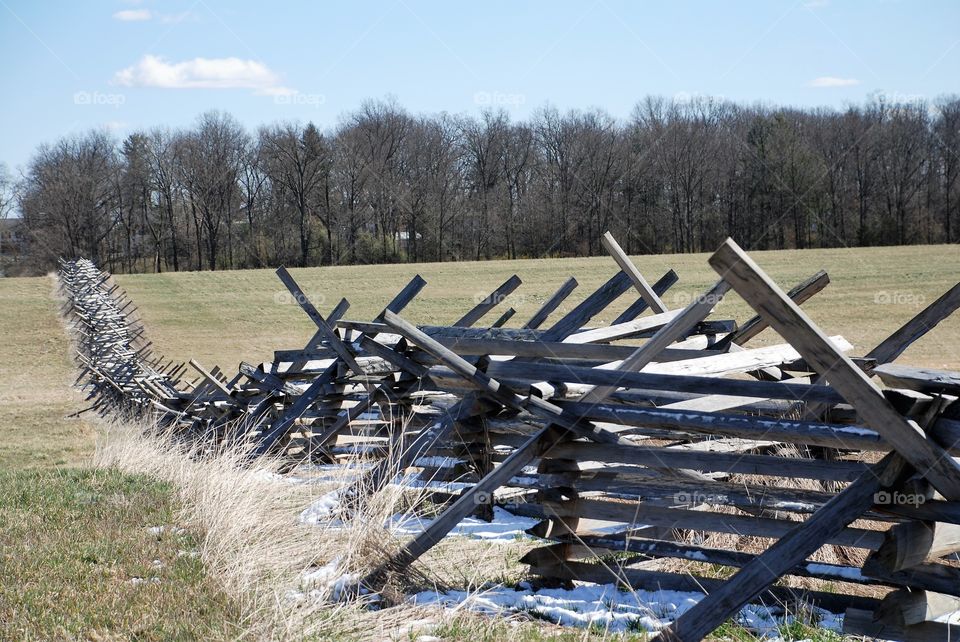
(403, 239)
(12, 238)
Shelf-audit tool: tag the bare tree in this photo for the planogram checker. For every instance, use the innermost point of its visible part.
(299, 160)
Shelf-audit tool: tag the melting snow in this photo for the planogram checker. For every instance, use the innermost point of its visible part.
(322, 509)
(160, 530)
(327, 582)
(848, 572)
(607, 607)
(505, 526)
(437, 462)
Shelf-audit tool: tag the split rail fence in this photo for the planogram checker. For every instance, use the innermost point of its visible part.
(661, 436)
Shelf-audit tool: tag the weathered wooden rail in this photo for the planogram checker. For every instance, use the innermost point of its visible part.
(661, 436)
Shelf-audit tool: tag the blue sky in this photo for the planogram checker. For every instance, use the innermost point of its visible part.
(71, 65)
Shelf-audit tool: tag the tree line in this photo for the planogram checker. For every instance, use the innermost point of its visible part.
(386, 185)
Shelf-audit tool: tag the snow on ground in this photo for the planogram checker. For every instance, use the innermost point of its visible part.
(505, 527)
(324, 583)
(586, 605)
(607, 607)
(322, 509)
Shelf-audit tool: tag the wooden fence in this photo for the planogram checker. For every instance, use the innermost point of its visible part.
(661, 436)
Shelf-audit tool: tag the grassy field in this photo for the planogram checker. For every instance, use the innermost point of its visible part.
(73, 540)
(221, 318)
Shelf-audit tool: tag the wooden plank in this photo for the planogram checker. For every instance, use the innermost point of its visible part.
(927, 577)
(640, 306)
(556, 350)
(921, 379)
(794, 325)
(587, 546)
(551, 304)
(651, 580)
(509, 370)
(400, 360)
(503, 318)
(862, 622)
(894, 345)
(632, 513)
(913, 542)
(729, 425)
(623, 330)
(903, 608)
(626, 265)
(489, 302)
(512, 334)
(791, 549)
(272, 382)
(631, 481)
(338, 311)
(734, 462)
(588, 308)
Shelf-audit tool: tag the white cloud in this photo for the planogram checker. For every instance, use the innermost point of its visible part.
(133, 15)
(833, 81)
(202, 73)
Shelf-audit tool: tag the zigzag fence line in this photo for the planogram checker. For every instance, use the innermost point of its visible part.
(660, 436)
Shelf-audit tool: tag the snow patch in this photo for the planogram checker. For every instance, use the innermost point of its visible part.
(505, 527)
(160, 530)
(607, 607)
(325, 583)
(322, 509)
(437, 462)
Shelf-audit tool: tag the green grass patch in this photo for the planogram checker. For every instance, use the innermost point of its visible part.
(78, 560)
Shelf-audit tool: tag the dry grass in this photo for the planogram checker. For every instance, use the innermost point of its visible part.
(254, 545)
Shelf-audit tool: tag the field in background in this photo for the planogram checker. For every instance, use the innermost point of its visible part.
(70, 543)
(224, 317)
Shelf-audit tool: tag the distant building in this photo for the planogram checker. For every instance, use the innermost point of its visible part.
(403, 239)
(12, 241)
